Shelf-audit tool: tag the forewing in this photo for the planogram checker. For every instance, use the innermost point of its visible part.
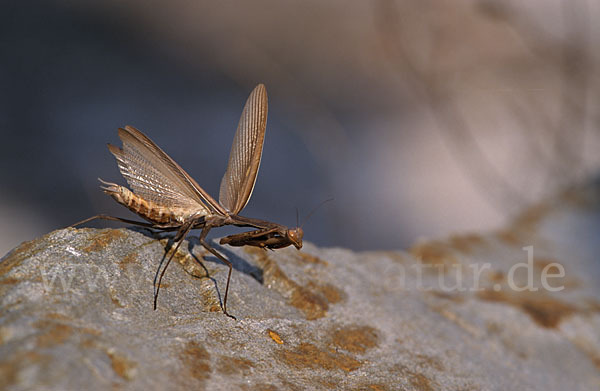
(153, 175)
(244, 160)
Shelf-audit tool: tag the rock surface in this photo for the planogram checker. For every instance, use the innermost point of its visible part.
(76, 312)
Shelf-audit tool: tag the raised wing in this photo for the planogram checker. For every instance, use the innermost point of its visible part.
(244, 160)
(153, 175)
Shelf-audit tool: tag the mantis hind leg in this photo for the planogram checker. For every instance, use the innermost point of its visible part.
(179, 237)
(224, 260)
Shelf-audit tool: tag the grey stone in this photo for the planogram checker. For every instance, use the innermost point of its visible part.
(76, 312)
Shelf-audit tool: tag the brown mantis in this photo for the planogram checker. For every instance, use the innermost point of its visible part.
(170, 200)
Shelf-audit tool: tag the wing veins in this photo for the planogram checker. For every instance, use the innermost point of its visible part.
(246, 152)
(152, 174)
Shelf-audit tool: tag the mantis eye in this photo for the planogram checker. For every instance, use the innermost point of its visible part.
(295, 235)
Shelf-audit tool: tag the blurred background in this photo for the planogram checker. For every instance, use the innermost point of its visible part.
(420, 118)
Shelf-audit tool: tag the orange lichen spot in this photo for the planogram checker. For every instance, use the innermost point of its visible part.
(101, 240)
(313, 299)
(196, 360)
(415, 379)
(89, 331)
(331, 293)
(123, 367)
(511, 237)
(4, 333)
(52, 333)
(12, 364)
(429, 362)
(545, 310)
(209, 298)
(466, 243)
(355, 339)
(228, 365)
(308, 356)
(326, 383)
(311, 258)
(214, 308)
(127, 260)
(274, 336)
(496, 275)
(314, 306)
(420, 381)
(115, 299)
(15, 257)
(8, 281)
(587, 347)
(57, 316)
(435, 253)
(541, 263)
